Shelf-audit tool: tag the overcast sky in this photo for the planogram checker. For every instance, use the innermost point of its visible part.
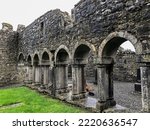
(26, 11)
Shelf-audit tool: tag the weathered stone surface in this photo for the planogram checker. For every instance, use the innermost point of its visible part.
(125, 68)
(8, 55)
(95, 26)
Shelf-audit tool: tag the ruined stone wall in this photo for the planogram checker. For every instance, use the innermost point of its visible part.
(8, 55)
(125, 68)
(96, 19)
(92, 20)
(48, 31)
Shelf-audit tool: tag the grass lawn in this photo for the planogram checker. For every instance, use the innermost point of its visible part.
(32, 102)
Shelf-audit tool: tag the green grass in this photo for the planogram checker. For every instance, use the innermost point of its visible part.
(32, 102)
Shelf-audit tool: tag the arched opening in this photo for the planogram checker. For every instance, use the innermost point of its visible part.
(118, 63)
(21, 68)
(29, 60)
(29, 70)
(45, 58)
(81, 56)
(36, 65)
(45, 77)
(62, 56)
(36, 60)
(62, 61)
(21, 59)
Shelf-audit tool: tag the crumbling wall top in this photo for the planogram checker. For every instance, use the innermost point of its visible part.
(7, 27)
(20, 28)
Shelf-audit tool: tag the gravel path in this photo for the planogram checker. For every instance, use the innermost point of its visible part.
(125, 95)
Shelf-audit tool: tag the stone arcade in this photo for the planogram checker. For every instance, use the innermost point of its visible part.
(42, 53)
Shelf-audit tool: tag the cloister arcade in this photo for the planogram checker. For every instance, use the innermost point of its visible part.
(42, 70)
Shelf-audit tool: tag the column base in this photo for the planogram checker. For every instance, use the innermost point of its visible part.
(102, 105)
(78, 96)
(28, 81)
(145, 110)
(36, 84)
(62, 90)
(110, 102)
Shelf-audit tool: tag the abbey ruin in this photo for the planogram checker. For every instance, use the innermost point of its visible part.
(41, 54)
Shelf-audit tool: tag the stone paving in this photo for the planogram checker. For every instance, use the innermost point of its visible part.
(125, 97)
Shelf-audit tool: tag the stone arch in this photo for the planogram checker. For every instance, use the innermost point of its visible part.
(86, 46)
(120, 37)
(62, 51)
(80, 57)
(29, 66)
(62, 58)
(36, 59)
(106, 53)
(21, 58)
(36, 55)
(36, 69)
(46, 57)
(29, 60)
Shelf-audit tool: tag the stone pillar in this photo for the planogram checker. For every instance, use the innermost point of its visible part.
(145, 86)
(105, 86)
(29, 75)
(50, 80)
(45, 75)
(61, 78)
(78, 82)
(137, 85)
(37, 74)
(33, 74)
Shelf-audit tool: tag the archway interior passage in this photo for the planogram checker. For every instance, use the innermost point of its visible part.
(45, 58)
(123, 90)
(36, 60)
(112, 46)
(29, 60)
(80, 61)
(37, 75)
(81, 53)
(21, 58)
(62, 56)
(61, 77)
(45, 72)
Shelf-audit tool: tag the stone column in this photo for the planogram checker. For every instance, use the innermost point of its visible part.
(50, 80)
(78, 81)
(111, 83)
(45, 75)
(33, 74)
(137, 85)
(61, 78)
(29, 75)
(145, 86)
(105, 86)
(37, 75)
